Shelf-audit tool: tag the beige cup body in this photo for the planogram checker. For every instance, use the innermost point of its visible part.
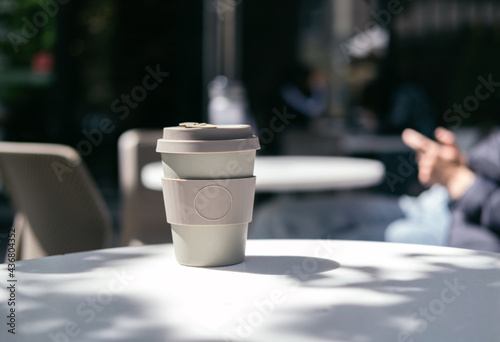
(205, 246)
(220, 165)
(209, 245)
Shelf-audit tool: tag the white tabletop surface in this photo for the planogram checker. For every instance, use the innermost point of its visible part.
(295, 290)
(294, 173)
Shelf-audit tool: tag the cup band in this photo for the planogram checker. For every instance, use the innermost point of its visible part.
(207, 146)
(209, 202)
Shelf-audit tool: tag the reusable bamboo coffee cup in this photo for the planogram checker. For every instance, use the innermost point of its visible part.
(208, 190)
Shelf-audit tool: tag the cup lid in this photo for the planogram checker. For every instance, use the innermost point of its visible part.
(193, 137)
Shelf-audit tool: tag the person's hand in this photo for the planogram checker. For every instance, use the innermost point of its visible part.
(440, 162)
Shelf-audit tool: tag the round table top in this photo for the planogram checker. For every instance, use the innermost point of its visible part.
(296, 173)
(285, 290)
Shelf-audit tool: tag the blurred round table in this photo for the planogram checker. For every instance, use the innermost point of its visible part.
(297, 173)
(285, 290)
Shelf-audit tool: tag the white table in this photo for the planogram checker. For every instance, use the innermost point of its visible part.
(295, 290)
(290, 173)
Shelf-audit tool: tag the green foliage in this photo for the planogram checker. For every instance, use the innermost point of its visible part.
(14, 18)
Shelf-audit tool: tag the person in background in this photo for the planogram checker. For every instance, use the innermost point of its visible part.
(301, 95)
(305, 92)
(461, 209)
(472, 183)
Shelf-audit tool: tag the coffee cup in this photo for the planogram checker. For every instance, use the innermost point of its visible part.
(208, 189)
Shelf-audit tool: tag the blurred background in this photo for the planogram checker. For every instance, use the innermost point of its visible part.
(345, 76)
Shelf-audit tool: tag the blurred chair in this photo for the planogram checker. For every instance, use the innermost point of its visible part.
(143, 212)
(58, 206)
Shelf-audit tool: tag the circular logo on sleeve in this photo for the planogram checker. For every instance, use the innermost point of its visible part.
(213, 202)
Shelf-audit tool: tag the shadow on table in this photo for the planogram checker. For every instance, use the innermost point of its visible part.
(76, 262)
(372, 307)
(96, 322)
(81, 309)
(91, 312)
(282, 265)
(446, 303)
